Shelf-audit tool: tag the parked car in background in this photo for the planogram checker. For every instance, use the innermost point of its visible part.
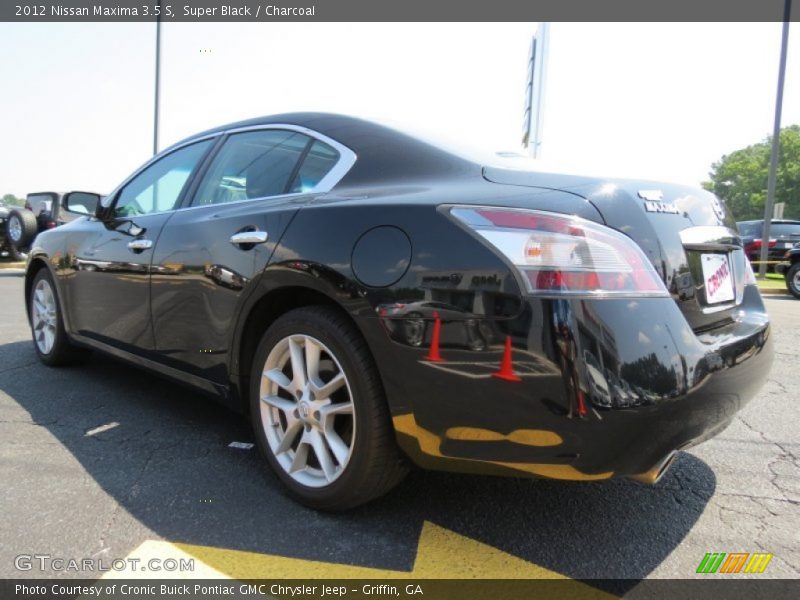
(585, 328)
(790, 269)
(5, 251)
(42, 211)
(784, 233)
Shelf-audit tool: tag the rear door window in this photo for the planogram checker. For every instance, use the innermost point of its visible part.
(253, 164)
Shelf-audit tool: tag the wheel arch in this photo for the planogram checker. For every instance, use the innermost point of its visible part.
(261, 311)
(35, 265)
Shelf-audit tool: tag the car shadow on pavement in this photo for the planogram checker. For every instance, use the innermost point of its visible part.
(168, 466)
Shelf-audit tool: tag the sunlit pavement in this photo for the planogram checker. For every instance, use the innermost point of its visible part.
(158, 478)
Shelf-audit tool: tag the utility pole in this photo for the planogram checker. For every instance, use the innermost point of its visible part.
(534, 90)
(158, 78)
(776, 142)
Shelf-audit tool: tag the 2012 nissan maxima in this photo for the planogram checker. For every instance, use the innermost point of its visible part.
(371, 300)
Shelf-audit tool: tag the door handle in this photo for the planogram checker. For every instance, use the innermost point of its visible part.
(140, 245)
(249, 237)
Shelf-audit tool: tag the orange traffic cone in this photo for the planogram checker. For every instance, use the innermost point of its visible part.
(581, 405)
(506, 367)
(433, 354)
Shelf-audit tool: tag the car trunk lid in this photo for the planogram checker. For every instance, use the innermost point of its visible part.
(687, 233)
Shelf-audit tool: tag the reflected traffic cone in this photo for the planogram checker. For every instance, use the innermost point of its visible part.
(433, 354)
(581, 404)
(506, 367)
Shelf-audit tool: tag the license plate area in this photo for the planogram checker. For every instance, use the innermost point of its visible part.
(717, 278)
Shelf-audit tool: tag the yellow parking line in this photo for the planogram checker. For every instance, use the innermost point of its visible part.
(441, 554)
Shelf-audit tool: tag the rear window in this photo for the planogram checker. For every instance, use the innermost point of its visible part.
(39, 203)
(775, 230)
(784, 230)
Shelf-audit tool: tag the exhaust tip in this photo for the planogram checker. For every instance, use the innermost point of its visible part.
(653, 476)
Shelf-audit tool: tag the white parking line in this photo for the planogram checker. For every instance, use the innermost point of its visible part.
(101, 429)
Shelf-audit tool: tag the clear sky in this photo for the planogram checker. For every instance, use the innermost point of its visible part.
(661, 101)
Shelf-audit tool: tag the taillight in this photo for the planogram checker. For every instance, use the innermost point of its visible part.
(562, 254)
(755, 245)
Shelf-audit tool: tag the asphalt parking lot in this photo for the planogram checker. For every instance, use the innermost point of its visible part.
(161, 478)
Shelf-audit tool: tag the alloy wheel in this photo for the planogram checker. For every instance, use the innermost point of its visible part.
(796, 282)
(43, 316)
(14, 229)
(307, 410)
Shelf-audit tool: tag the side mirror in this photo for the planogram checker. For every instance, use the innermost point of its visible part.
(81, 203)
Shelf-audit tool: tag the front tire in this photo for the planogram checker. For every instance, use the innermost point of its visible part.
(319, 413)
(793, 280)
(47, 324)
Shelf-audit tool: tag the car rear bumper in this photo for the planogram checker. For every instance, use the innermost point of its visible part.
(774, 254)
(600, 388)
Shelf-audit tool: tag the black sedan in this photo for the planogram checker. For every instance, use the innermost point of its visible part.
(559, 326)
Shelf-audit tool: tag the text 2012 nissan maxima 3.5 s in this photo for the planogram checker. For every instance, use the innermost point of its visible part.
(372, 301)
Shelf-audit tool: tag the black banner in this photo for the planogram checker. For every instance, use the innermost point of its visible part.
(394, 10)
(730, 588)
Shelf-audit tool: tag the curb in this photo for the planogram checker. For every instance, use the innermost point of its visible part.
(12, 265)
(773, 291)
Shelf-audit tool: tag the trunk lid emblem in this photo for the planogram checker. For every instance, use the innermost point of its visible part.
(653, 202)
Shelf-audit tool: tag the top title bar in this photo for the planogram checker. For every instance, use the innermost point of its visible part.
(205, 11)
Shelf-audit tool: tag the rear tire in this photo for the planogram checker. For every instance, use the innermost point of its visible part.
(14, 253)
(47, 324)
(793, 280)
(21, 228)
(326, 429)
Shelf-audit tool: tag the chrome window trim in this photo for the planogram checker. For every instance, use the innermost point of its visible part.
(347, 158)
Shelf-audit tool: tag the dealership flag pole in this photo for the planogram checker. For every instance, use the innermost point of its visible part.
(534, 91)
(776, 139)
(158, 78)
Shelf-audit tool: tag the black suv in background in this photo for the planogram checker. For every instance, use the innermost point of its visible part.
(4, 210)
(784, 233)
(42, 211)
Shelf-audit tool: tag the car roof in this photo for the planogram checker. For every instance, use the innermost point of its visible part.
(383, 153)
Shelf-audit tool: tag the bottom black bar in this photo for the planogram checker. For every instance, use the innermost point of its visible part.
(428, 589)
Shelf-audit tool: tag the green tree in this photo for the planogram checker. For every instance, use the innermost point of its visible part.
(12, 200)
(740, 178)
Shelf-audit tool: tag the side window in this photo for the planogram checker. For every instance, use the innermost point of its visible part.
(748, 229)
(253, 164)
(159, 186)
(318, 162)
